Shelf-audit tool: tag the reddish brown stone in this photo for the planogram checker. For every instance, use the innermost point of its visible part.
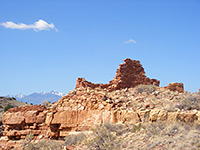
(91, 104)
(129, 74)
(23, 120)
(175, 87)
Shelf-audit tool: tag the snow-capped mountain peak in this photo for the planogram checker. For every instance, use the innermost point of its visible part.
(19, 95)
(37, 98)
(56, 93)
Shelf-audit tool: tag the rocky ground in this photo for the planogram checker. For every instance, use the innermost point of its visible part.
(148, 136)
(151, 136)
(171, 118)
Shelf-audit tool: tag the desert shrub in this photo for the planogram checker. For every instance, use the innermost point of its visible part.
(145, 88)
(8, 106)
(187, 92)
(155, 128)
(118, 129)
(74, 139)
(29, 137)
(191, 101)
(157, 135)
(105, 137)
(30, 146)
(173, 135)
(27, 140)
(136, 128)
(45, 145)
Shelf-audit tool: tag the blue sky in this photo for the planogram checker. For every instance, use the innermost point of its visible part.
(60, 41)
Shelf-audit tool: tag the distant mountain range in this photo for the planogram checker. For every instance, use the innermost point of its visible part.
(38, 98)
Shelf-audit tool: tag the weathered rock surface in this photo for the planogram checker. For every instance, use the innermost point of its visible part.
(20, 121)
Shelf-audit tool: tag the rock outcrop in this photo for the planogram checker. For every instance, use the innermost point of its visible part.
(129, 74)
(20, 121)
(91, 104)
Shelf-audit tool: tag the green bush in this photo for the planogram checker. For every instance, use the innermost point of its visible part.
(7, 107)
(145, 88)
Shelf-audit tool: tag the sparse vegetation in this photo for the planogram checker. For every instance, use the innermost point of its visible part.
(190, 101)
(8, 107)
(41, 145)
(29, 137)
(74, 139)
(136, 128)
(105, 137)
(27, 141)
(145, 88)
(173, 135)
(45, 145)
(158, 135)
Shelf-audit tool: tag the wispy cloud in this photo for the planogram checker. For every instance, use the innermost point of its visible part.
(130, 41)
(36, 26)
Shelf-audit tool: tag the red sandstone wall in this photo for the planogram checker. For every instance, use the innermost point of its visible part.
(175, 87)
(129, 74)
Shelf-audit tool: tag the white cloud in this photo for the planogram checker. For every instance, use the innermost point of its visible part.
(130, 41)
(37, 26)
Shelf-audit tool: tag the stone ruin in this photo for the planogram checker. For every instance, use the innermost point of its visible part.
(129, 74)
(90, 104)
(175, 87)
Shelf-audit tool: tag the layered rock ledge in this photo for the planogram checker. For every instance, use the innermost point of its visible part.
(20, 121)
